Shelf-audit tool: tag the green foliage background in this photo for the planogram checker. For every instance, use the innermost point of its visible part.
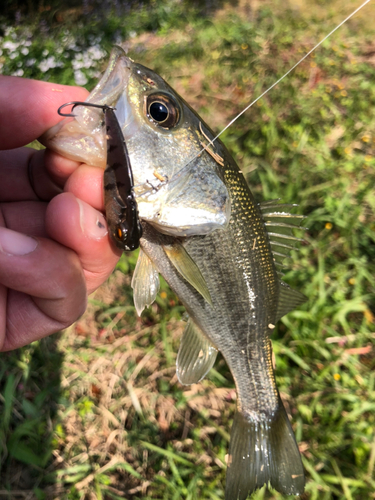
(96, 412)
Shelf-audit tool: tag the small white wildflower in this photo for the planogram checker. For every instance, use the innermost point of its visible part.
(13, 55)
(47, 64)
(11, 46)
(30, 62)
(28, 43)
(45, 52)
(73, 46)
(19, 72)
(96, 52)
(24, 51)
(133, 34)
(80, 77)
(76, 63)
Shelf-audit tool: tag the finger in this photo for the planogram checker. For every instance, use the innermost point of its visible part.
(3, 312)
(48, 272)
(29, 107)
(26, 217)
(79, 226)
(86, 183)
(24, 177)
(58, 167)
(26, 322)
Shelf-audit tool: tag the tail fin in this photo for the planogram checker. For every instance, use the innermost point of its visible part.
(263, 452)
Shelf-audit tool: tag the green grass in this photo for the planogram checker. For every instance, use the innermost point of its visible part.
(97, 411)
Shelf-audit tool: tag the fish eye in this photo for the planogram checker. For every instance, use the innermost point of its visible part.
(158, 112)
(162, 110)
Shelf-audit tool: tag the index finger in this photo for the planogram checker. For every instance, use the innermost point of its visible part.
(29, 107)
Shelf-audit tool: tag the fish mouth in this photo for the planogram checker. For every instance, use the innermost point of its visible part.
(83, 138)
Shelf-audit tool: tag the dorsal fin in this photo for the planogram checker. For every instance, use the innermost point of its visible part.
(196, 355)
(187, 268)
(289, 299)
(145, 283)
(280, 225)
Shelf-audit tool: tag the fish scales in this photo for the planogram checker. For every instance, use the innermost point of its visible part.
(203, 231)
(238, 278)
(245, 302)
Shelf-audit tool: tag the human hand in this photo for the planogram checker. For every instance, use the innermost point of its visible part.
(54, 247)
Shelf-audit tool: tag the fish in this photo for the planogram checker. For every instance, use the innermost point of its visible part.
(218, 250)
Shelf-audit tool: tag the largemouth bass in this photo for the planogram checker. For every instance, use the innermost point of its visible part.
(216, 248)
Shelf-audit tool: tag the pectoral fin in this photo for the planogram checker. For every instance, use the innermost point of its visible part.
(196, 355)
(187, 268)
(145, 283)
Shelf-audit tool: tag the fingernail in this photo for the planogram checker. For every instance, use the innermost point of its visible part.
(93, 223)
(13, 243)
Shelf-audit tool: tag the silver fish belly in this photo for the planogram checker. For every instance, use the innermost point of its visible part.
(204, 233)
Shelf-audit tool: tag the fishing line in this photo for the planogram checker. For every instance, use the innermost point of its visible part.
(280, 79)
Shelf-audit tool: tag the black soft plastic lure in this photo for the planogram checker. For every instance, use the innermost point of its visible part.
(120, 203)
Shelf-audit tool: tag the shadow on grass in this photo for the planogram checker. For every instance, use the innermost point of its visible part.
(30, 390)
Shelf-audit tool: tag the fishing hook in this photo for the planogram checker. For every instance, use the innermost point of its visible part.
(104, 107)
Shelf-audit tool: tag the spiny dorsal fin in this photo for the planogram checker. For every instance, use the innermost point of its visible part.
(145, 283)
(289, 299)
(196, 355)
(187, 268)
(280, 225)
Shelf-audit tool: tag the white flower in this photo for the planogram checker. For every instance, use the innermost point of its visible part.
(96, 52)
(19, 72)
(48, 63)
(80, 77)
(24, 51)
(30, 62)
(11, 45)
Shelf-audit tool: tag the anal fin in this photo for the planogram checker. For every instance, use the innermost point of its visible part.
(196, 355)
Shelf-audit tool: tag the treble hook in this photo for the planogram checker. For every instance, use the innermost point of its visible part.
(104, 107)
